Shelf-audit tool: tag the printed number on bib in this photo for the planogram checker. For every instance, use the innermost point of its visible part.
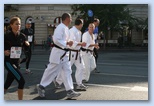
(30, 38)
(15, 52)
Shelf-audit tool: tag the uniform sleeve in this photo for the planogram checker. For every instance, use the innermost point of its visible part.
(72, 37)
(85, 38)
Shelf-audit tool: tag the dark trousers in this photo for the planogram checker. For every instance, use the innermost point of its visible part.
(27, 58)
(13, 74)
(95, 54)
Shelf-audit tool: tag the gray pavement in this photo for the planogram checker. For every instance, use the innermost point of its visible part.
(123, 76)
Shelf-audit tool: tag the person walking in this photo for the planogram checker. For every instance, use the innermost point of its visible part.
(28, 31)
(59, 60)
(13, 43)
(87, 52)
(75, 56)
(95, 32)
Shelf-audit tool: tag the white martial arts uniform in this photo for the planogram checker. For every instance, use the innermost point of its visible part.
(56, 65)
(75, 36)
(88, 57)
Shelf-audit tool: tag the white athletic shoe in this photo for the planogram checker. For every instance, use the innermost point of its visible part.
(81, 87)
(57, 86)
(28, 71)
(72, 94)
(40, 90)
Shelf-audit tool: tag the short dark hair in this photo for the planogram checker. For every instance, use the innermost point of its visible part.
(65, 15)
(95, 19)
(78, 21)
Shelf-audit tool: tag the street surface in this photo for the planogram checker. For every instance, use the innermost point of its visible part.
(123, 76)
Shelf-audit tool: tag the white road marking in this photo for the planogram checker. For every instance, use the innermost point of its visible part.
(135, 88)
(110, 64)
(110, 86)
(139, 88)
(121, 75)
(125, 64)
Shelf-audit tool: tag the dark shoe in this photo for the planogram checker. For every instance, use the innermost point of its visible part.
(96, 71)
(84, 81)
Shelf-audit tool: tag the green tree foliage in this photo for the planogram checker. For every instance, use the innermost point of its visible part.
(112, 16)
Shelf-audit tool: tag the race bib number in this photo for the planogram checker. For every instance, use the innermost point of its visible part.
(30, 38)
(15, 52)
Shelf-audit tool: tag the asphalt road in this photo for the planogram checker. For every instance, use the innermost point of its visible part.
(123, 76)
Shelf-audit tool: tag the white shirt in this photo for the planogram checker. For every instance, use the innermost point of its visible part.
(86, 37)
(60, 38)
(75, 36)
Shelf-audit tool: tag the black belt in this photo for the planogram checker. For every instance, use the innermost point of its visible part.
(87, 50)
(77, 52)
(66, 50)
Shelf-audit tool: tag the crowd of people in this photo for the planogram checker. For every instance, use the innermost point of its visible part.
(70, 47)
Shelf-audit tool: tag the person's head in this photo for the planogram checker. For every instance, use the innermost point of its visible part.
(96, 22)
(79, 23)
(66, 19)
(15, 24)
(28, 24)
(91, 28)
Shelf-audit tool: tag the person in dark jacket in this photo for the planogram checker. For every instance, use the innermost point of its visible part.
(14, 41)
(28, 31)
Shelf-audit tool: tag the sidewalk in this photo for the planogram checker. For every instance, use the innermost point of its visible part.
(39, 50)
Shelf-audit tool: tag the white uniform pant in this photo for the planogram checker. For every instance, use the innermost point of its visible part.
(52, 71)
(79, 64)
(90, 64)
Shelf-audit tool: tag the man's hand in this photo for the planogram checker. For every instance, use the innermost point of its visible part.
(70, 43)
(27, 43)
(83, 44)
(96, 46)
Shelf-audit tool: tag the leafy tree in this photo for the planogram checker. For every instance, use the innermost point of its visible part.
(112, 16)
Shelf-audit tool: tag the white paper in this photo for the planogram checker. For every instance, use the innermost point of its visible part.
(15, 52)
(30, 38)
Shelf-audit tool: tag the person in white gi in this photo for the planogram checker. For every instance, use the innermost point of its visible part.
(76, 57)
(59, 60)
(87, 52)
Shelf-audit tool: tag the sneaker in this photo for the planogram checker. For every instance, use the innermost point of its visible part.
(28, 71)
(57, 86)
(40, 90)
(81, 87)
(84, 81)
(96, 71)
(72, 93)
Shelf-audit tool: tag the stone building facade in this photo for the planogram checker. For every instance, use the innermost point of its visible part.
(45, 17)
